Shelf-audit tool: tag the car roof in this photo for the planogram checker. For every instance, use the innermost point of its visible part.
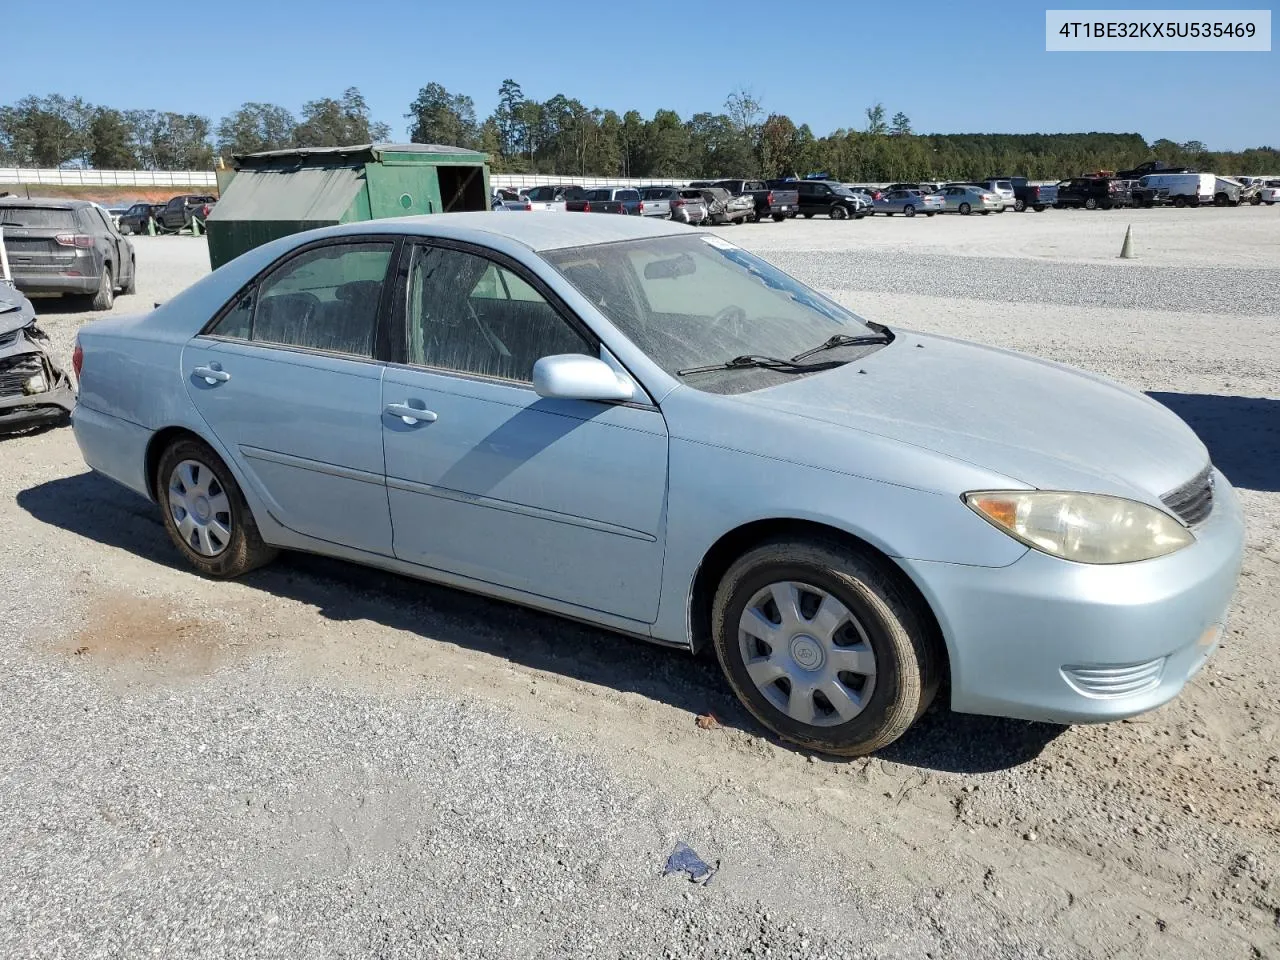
(51, 203)
(536, 231)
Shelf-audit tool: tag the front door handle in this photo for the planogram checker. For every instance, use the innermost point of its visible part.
(408, 414)
(211, 375)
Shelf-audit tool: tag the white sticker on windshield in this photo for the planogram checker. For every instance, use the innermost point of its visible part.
(718, 242)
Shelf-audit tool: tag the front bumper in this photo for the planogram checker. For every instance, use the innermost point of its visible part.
(23, 411)
(1045, 639)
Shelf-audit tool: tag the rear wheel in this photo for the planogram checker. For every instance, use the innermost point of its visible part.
(808, 216)
(132, 286)
(779, 217)
(1221, 200)
(1019, 206)
(1038, 208)
(1179, 201)
(106, 295)
(205, 512)
(838, 212)
(1091, 204)
(126, 229)
(908, 211)
(823, 646)
(985, 213)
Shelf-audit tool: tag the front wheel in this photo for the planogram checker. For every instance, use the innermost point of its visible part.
(808, 216)
(838, 213)
(106, 295)
(1019, 206)
(1091, 204)
(823, 646)
(205, 512)
(908, 211)
(965, 209)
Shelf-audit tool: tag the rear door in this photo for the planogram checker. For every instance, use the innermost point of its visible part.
(563, 499)
(288, 381)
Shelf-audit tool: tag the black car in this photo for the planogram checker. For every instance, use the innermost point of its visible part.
(828, 198)
(180, 210)
(1092, 193)
(67, 247)
(134, 219)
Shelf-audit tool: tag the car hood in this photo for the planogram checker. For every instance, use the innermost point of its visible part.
(1037, 422)
(15, 309)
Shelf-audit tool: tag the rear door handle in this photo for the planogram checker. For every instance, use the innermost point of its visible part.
(408, 414)
(211, 376)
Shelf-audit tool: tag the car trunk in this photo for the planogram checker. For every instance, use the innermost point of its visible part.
(31, 237)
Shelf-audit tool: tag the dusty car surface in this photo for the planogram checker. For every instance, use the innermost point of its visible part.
(33, 390)
(652, 430)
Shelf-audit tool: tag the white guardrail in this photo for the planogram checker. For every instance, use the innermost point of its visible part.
(75, 177)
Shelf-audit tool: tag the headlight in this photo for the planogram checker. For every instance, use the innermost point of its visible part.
(36, 384)
(1084, 527)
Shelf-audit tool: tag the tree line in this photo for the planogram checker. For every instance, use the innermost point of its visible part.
(564, 136)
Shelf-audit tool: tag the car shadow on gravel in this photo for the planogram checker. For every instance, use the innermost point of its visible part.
(1242, 434)
(94, 507)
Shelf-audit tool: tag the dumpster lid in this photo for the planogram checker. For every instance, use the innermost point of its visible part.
(307, 195)
(360, 153)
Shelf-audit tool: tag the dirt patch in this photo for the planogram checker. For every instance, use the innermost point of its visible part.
(147, 637)
(107, 196)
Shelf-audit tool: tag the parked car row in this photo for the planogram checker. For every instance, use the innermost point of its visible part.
(173, 215)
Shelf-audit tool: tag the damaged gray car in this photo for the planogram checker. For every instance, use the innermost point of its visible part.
(33, 390)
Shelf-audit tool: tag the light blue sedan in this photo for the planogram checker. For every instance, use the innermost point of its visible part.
(653, 430)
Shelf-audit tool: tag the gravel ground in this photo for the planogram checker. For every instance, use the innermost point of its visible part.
(325, 761)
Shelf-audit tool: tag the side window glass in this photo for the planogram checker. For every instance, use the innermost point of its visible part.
(237, 323)
(468, 314)
(324, 299)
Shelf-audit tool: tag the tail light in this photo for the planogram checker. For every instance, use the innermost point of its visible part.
(81, 240)
(642, 206)
(77, 358)
(586, 206)
(204, 212)
(769, 198)
(528, 205)
(677, 203)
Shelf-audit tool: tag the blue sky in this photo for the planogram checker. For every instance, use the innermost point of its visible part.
(813, 62)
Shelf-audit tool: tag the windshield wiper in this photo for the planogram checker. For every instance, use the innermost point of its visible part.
(11, 223)
(749, 361)
(844, 340)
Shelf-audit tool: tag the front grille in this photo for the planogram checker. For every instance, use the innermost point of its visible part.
(17, 371)
(1193, 501)
(1115, 681)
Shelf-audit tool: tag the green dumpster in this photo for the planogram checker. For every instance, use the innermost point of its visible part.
(281, 192)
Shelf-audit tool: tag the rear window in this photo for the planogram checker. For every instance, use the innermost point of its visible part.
(38, 217)
(597, 195)
(628, 195)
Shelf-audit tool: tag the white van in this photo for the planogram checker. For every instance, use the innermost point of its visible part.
(1180, 189)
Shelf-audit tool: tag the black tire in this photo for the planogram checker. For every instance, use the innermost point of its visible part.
(1221, 200)
(1255, 200)
(1091, 204)
(907, 663)
(985, 213)
(808, 216)
(1179, 201)
(126, 230)
(779, 217)
(930, 213)
(246, 550)
(838, 212)
(965, 209)
(908, 211)
(1038, 208)
(106, 295)
(131, 287)
(1019, 206)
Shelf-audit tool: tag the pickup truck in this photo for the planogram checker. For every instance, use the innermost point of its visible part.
(771, 201)
(1026, 194)
(553, 196)
(608, 200)
(177, 213)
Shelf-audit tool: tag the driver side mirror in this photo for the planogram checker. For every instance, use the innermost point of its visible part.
(573, 376)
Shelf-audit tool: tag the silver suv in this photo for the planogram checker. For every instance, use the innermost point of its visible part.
(67, 247)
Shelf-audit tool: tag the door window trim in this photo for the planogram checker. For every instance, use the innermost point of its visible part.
(397, 244)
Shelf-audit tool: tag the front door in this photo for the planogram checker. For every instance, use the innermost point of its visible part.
(287, 382)
(561, 499)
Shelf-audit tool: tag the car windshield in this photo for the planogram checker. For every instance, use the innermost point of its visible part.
(842, 191)
(692, 300)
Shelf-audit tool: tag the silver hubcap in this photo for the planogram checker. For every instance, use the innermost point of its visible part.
(807, 654)
(200, 508)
